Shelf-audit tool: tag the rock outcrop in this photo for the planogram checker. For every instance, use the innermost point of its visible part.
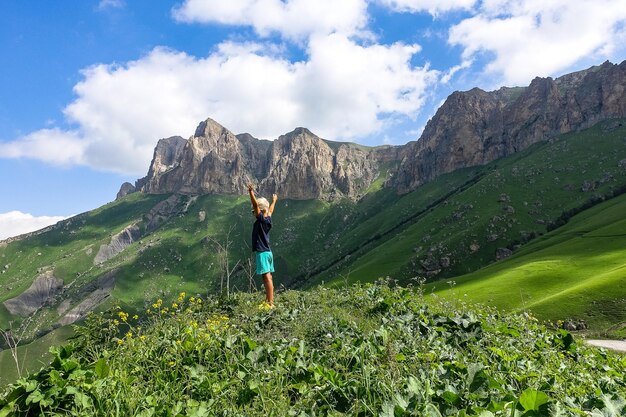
(125, 189)
(471, 128)
(41, 292)
(297, 165)
(91, 297)
(476, 127)
(119, 242)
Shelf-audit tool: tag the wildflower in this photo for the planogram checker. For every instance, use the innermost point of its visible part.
(123, 316)
(265, 306)
(149, 311)
(116, 322)
(181, 296)
(142, 337)
(174, 305)
(120, 341)
(129, 334)
(135, 317)
(172, 363)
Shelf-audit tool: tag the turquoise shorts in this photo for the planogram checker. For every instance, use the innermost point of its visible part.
(264, 262)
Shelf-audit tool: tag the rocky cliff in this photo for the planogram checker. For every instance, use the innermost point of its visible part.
(471, 128)
(297, 165)
(476, 127)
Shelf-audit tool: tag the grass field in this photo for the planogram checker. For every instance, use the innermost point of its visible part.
(577, 271)
(32, 356)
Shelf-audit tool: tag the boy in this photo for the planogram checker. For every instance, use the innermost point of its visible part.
(262, 211)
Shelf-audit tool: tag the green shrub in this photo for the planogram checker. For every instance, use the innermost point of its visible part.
(367, 350)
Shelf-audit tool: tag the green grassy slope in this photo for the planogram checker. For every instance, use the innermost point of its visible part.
(577, 271)
(502, 205)
(31, 356)
(447, 227)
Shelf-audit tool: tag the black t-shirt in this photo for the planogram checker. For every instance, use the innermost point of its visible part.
(261, 233)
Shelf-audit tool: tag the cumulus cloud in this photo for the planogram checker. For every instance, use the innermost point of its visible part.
(434, 7)
(529, 38)
(295, 19)
(15, 223)
(343, 90)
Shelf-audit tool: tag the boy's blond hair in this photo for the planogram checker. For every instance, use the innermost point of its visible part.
(263, 204)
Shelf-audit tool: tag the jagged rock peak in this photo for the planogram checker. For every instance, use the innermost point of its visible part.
(125, 189)
(298, 165)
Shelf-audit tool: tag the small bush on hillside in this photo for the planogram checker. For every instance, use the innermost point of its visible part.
(359, 351)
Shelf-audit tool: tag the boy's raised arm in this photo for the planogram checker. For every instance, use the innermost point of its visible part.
(255, 205)
(271, 209)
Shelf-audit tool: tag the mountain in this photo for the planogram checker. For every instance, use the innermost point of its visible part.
(471, 128)
(476, 127)
(346, 212)
(297, 165)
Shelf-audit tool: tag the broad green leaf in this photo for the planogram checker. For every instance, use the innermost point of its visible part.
(102, 369)
(34, 397)
(450, 397)
(531, 399)
(70, 365)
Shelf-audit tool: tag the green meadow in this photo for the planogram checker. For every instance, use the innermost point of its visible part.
(577, 271)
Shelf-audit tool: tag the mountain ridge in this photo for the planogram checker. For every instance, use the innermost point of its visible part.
(471, 128)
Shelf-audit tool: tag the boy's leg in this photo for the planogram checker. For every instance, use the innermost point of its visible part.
(269, 288)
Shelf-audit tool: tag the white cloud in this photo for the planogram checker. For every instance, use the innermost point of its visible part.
(529, 38)
(347, 90)
(445, 78)
(343, 91)
(54, 146)
(434, 7)
(294, 19)
(15, 223)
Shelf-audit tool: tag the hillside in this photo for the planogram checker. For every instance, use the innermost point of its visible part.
(366, 350)
(470, 218)
(143, 247)
(575, 272)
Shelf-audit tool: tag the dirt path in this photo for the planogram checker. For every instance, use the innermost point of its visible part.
(617, 345)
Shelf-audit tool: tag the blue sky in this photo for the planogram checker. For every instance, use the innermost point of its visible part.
(88, 87)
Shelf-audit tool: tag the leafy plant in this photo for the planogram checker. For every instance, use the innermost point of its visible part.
(371, 350)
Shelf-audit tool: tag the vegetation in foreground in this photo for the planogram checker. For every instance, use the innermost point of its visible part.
(359, 351)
